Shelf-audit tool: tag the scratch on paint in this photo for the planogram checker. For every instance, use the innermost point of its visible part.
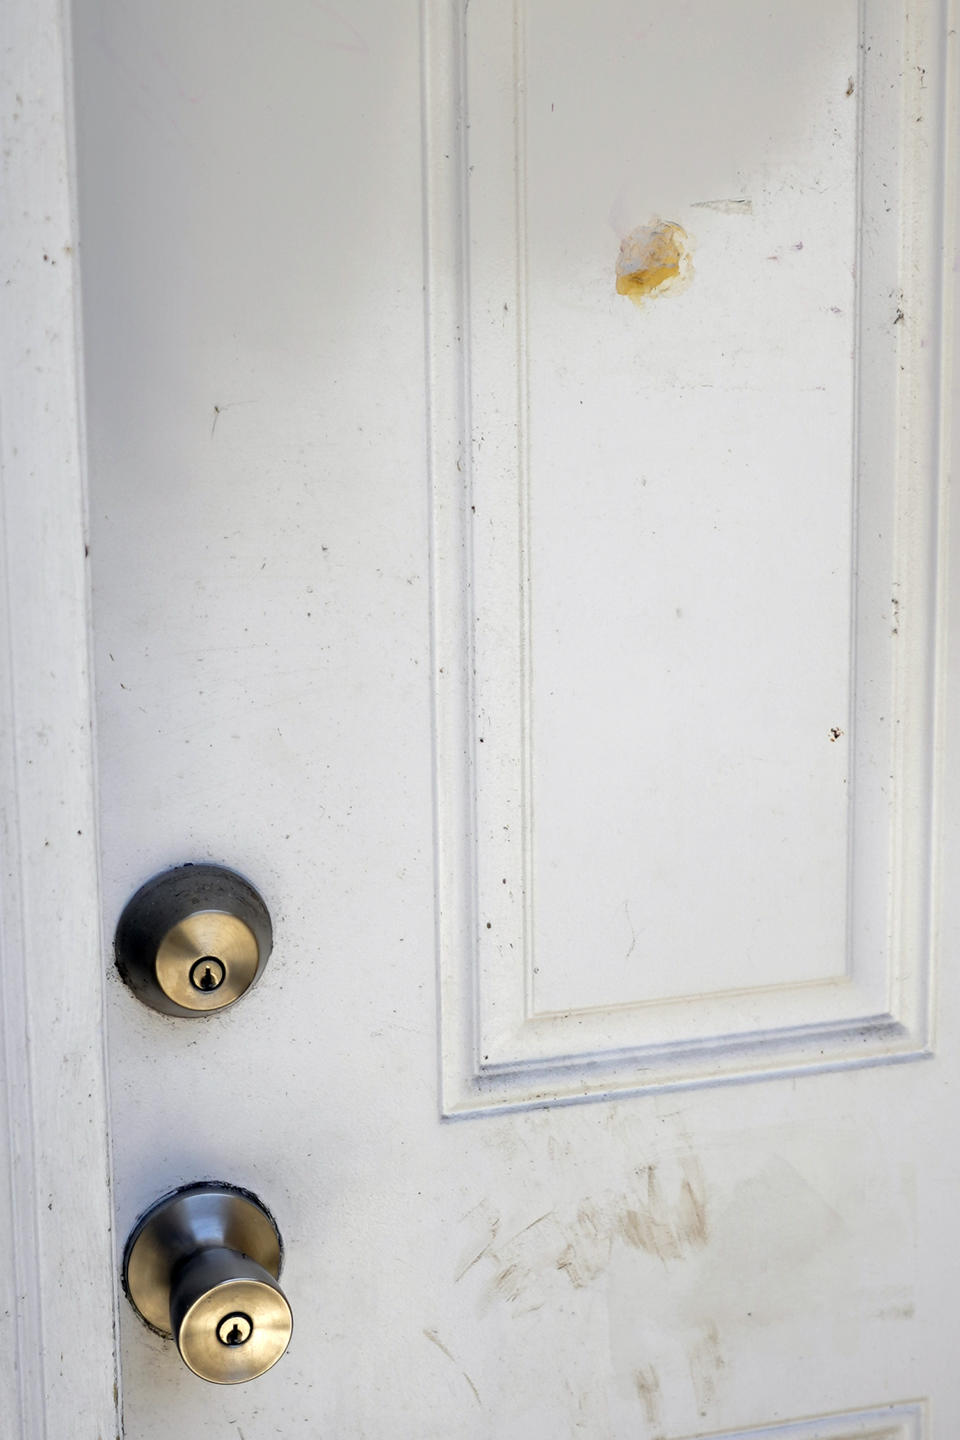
(510, 1282)
(724, 207)
(539, 1221)
(219, 409)
(633, 933)
(473, 1209)
(495, 1226)
(434, 1339)
(350, 37)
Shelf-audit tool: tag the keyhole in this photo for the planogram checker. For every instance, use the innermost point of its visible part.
(207, 973)
(235, 1329)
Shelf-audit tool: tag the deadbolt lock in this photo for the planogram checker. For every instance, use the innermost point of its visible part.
(202, 1266)
(193, 940)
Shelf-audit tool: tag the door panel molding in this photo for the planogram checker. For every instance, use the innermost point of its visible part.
(864, 998)
(58, 1319)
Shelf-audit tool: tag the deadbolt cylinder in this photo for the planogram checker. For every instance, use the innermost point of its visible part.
(193, 939)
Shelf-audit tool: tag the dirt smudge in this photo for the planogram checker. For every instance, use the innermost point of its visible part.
(587, 1252)
(664, 1218)
(647, 1383)
(663, 1228)
(706, 1362)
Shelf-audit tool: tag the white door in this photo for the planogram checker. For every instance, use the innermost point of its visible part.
(518, 546)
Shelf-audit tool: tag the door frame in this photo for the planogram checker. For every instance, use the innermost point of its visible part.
(58, 1292)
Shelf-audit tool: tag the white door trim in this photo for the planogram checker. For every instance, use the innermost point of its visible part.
(57, 1288)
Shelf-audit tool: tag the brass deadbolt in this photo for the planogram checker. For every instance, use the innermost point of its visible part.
(193, 939)
(202, 1266)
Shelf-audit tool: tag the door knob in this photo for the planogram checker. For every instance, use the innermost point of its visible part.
(193, 940)
(202, 1265)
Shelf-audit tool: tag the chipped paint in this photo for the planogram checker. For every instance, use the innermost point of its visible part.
(654, 260)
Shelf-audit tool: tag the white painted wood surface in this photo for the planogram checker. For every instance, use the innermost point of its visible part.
(57, 1286)
(774, 1258)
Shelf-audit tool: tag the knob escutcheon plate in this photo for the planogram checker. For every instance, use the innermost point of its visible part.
(208, 1214)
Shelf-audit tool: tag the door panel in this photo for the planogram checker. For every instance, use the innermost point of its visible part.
(686, 548)
(630, 566)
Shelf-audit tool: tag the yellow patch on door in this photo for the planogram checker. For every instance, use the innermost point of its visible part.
(654, 260)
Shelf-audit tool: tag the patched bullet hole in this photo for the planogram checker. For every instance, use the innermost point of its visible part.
(654, 260)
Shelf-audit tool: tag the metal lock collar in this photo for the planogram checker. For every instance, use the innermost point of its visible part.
(202, 1265)
(193, 940)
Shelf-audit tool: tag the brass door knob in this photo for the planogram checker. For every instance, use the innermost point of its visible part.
(202, 1265)
(193, 940)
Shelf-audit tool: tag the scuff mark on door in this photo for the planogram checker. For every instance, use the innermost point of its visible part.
(647, 1382)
